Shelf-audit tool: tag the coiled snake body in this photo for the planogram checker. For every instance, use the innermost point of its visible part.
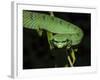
(59, 32)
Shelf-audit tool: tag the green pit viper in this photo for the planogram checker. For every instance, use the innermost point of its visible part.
(60, 33)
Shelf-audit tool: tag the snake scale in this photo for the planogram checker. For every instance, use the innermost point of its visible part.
(59, 32)
(64, 31)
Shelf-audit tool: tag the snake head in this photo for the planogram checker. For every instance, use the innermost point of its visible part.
(60, 41)
(59, 44)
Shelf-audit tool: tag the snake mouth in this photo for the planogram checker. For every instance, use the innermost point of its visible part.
(59, 44)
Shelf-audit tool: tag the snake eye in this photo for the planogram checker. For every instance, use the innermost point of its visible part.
(67, 40)
(69, 43)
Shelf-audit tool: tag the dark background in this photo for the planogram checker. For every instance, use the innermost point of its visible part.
(36, 52)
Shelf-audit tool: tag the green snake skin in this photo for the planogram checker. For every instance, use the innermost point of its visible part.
(64, 31)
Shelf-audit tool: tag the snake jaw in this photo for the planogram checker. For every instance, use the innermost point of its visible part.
(60, 45)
